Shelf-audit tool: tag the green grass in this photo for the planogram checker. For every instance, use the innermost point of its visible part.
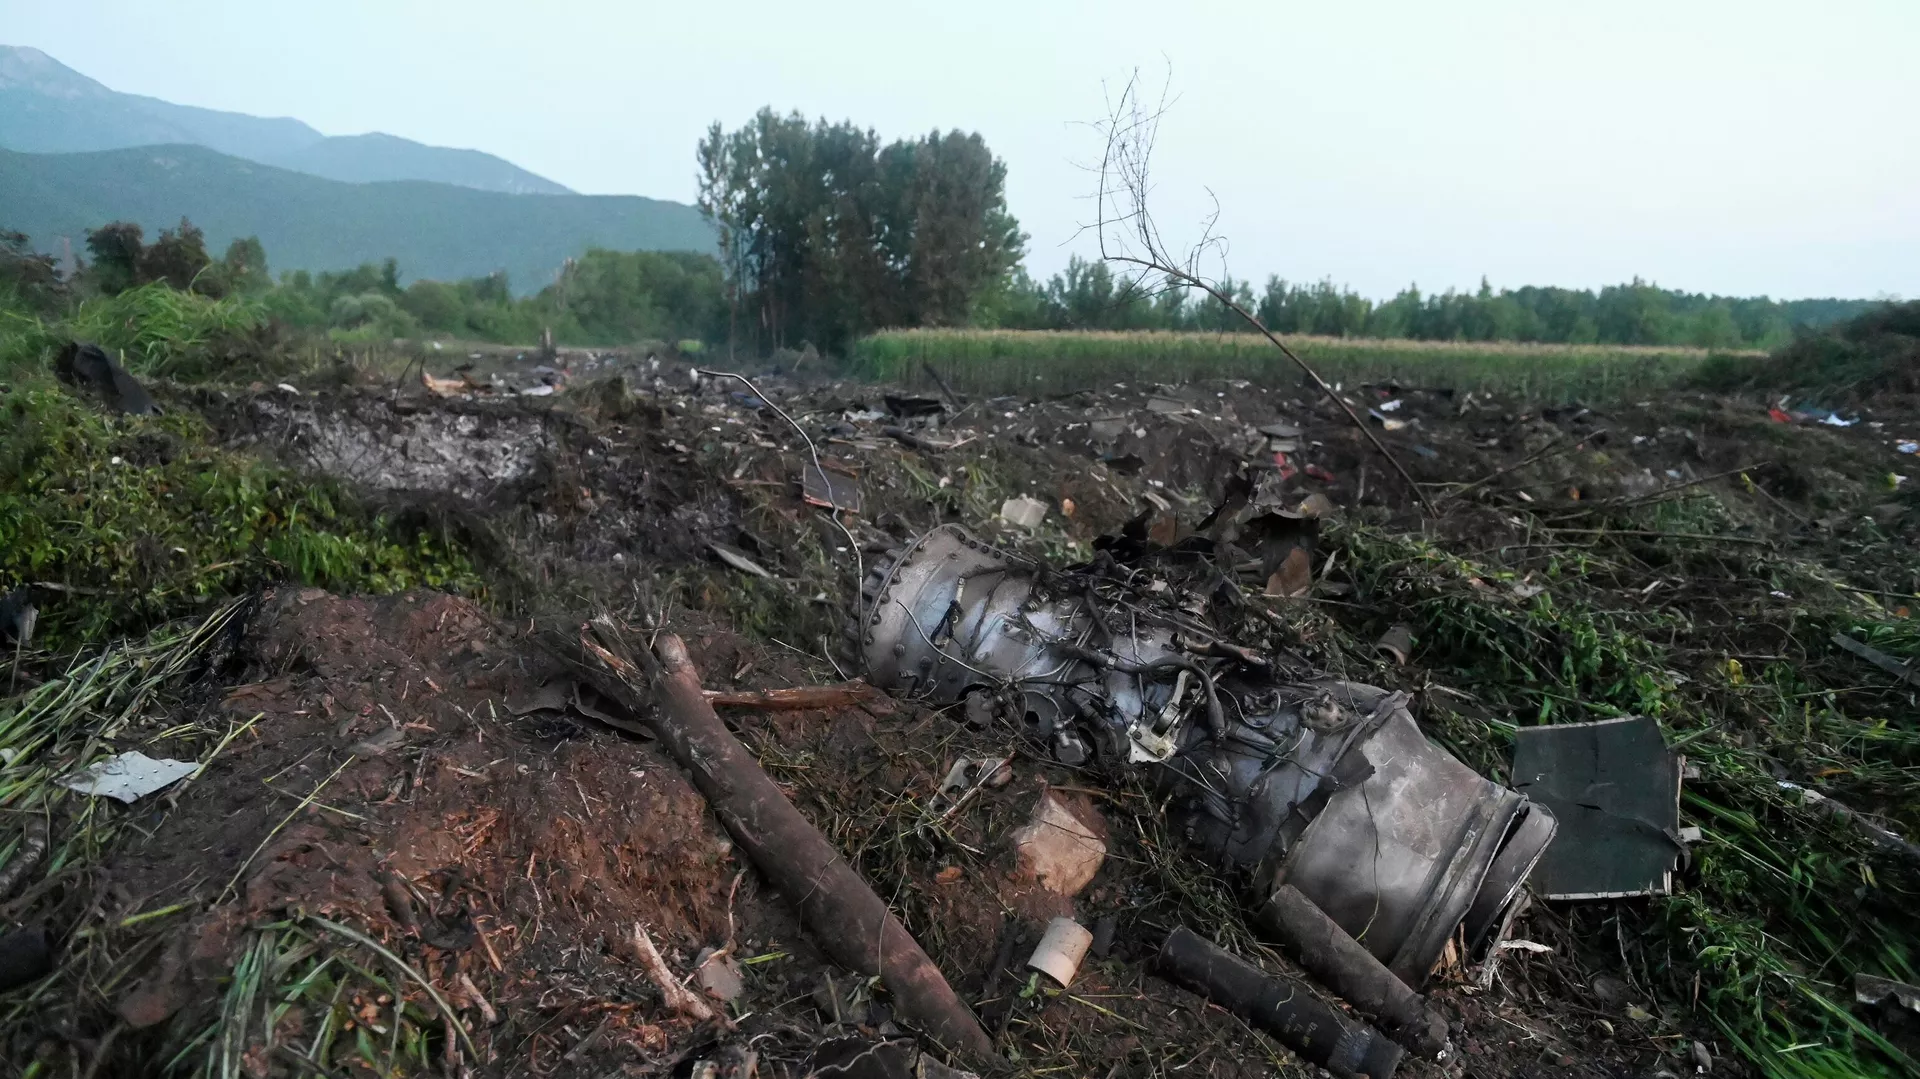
(125, 522)
(1785, 904)
(1038, 361)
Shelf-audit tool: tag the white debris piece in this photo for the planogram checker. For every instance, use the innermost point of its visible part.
(738, 559)
(1023, 512)
(719, 975)
(1060, 847)
(129, 776)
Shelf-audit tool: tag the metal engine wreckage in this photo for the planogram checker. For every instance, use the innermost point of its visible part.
(1367, 847)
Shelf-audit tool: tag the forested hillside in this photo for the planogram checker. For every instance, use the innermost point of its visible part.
(437, 231)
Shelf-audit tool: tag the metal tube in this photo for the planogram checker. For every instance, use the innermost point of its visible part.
(1316, 1030)
(1328, 953)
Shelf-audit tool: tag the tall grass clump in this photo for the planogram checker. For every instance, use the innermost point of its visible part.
(158, 332)
(161, 332)
(1047, 361)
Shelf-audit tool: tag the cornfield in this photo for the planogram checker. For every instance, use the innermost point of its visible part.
(1042, 361)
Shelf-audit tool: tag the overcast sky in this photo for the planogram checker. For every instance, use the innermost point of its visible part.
(1744, 147)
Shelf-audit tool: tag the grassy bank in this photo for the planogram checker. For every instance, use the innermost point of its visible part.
(1038, 361)
(118, 523)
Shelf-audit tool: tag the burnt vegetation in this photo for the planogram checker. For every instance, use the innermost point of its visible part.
(330, 569)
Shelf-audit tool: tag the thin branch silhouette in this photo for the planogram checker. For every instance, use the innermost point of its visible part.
(1129, 236)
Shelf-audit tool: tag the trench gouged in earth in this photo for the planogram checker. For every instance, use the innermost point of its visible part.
(851, 922)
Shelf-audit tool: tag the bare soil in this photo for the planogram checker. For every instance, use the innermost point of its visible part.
(397, 778)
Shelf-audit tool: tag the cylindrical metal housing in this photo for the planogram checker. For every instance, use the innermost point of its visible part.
(1327, 786)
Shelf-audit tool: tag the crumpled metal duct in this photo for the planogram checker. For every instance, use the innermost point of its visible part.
(1325, 785)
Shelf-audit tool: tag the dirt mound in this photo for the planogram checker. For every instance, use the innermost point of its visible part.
(387, 785)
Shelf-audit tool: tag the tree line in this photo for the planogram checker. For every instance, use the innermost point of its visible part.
(601, 298)
(1090, 295)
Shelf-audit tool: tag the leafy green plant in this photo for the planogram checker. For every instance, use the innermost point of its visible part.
(125, 522)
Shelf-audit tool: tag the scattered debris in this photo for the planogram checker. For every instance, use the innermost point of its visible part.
(1904, 672)
(719, 975)
(677, 996)
(1387, 423)
(1023, 512)
(18, 616)
(1327, 952)
(968, 775)
(1615, 788)
(128, 777)
(737, 558)
(796, 697)
(1294, 578)
(1060, 951)
(87, 366)
(1396, 644)
(908, 438)
(25, 956)
(925, 410)
(1876, 991)
(444, 387)
(851, 923)
(1061, 847)
(33, 847)
(1885, 837)
(830, 488)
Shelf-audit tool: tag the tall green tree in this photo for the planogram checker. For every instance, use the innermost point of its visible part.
(826, 233)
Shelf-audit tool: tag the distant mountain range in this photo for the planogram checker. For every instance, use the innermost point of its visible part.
(435, 230)
(75, 155)
(47, 107)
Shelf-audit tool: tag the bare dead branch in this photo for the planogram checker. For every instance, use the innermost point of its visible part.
(1129, 236)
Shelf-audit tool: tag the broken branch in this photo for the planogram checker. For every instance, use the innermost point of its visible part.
(1124, 172)
(794, 697)
(852, 923)
(678, 997)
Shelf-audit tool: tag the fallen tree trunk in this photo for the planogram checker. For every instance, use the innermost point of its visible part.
(850, 922)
